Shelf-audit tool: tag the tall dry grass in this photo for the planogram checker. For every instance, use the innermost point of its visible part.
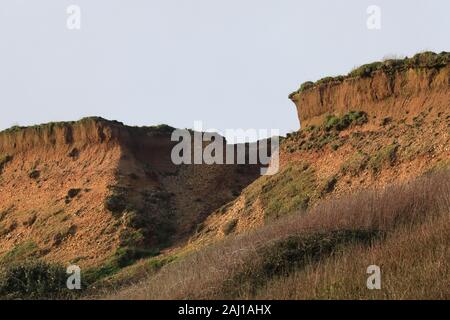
(399, 211)
(414, 262)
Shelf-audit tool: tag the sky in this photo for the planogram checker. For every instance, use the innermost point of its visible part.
(228, 63)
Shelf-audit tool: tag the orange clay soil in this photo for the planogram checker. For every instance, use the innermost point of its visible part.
(57, 179)
(402, 133)
(78, 192)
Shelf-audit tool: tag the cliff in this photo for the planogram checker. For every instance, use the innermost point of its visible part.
(94, 190)
(393, 88)
(384, 123)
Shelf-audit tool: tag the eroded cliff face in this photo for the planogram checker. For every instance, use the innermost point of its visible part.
(398, 95)
(357, 132)
(93, 190)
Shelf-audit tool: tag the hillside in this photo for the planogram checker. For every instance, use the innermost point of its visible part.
(389, 124)
(365, 180)
(95, 191)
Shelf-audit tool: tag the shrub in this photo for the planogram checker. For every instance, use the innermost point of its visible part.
(4, 160)
(307, 85)
(357, 117)
(33, 280)
(329, 185)
(132, 248)
(335, 146)
(116, 203)
(429, 59)
(366, 70)
(34, 174)
(387, 155)
(287, 191)
(386, 121)
(125, 256)
(294, 252)
(30, 220)
(72, 193)
(392, 209)
(230, 226)
(63, 234)
(324, 80)
(355, 164)
(74, 153)
(5, 230)
(333, 122)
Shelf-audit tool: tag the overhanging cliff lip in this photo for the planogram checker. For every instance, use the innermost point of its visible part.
(424, 60)
(394, 87)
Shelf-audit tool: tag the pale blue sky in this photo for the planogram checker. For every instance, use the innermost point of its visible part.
(229, 63)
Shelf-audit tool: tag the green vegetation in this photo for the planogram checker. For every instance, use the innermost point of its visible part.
(366, 70)
(62, 234)
(34, 174)
(230, 226)
(124, 257)
(20, 253)
(294, 252)
(4, 159)
(355, 163)
(287, 191)
(10, 228)
(72, 193)
(329, 185)
(111, 276)
(147, 228)
(333, 122)
(24, 276)
(317, 137)
(307, 85)
(52, 125)
(116, 203)
(323, 253)
(429, 60)
(161, 129)
(386, 155)
(33, 280)
(132, 247)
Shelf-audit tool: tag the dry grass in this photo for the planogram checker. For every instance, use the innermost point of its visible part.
(413, 261)
(413, 255)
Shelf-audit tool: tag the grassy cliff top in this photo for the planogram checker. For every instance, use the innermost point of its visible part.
(420, 60)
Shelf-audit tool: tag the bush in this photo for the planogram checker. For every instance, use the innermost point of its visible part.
(33, 280)
(294, 252)
(307, 85)
(116, 203)
(387, 155)
(429, 59)
(366, 70)
(72, 193)
(329, 185)
(230, 226)
(333, 122)
(355, 164)
(4, 160)
(34, 174)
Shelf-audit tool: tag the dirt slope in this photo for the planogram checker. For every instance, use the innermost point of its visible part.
(384, 122)
(86, 191)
